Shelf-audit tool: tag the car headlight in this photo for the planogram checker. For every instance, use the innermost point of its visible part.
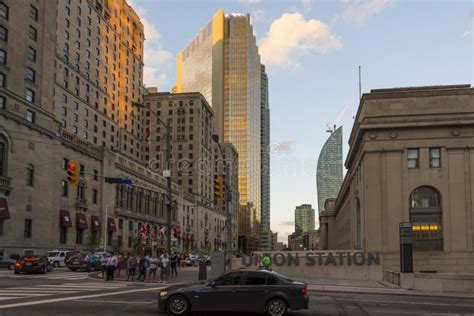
(163, 293)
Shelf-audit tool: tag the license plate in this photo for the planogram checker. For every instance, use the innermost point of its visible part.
(28, 264)
(76, 262)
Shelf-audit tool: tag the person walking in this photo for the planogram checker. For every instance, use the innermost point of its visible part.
(164, 262)
(132, 267)
(153, 266)
(91, 263)
(110, 266)
(142, 268)
(119, 264)
(103, 265)
(174, 263)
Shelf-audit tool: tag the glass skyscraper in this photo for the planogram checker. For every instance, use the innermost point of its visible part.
(222, 62)
(304, 219)
(329, 174)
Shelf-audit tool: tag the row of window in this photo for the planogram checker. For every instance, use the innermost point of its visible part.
(414, 158)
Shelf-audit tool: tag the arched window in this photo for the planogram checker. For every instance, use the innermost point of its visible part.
(30, 175)
(427, 219)
(3, 156)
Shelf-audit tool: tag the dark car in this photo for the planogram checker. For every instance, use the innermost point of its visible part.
(255, 291)
(6, 262)
(35, 264)
(78, 262)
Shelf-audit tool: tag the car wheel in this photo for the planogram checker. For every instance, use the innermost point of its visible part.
(276, 307)
(11, 266)
(73, 270)
(56, 264)
(43, 270)
(178, 305)
(17, 272)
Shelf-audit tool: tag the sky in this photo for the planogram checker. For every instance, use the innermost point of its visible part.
(312, 50)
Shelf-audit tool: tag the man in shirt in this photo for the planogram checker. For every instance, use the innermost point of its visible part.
(164, 267)
(110, 267)
(153, 266)
(132, 267)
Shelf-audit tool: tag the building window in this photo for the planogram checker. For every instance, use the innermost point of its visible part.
(1, 227)
(2, 102)
(28, 228)
(30, 74)
(64, 188)
(30, 95)
(63, 235)
(3, 56)
(110, 235)
(426, 218)
(2, 80)
(32, 33)
(3, 156)
(413, 158)
(120, 224)
(33, 13)
(3, 10)
(79, 236)
(30, 174)
(94, 196)
(435, 158)
(3, 33)
(30, 116)
(32, 54)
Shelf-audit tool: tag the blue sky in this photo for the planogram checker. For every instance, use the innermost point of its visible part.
(312, 50)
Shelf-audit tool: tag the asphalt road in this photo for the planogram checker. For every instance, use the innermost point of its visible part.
(68, 293)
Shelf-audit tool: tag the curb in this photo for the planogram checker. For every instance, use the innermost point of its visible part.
(384, 292)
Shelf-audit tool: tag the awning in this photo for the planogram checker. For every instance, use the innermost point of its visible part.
(95, 223)
(4, 213)
(65, 218)
(81, 221)
(111, 225)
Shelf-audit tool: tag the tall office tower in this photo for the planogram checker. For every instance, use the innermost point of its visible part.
(99, 70)
(329, 173)
(304, 219)
(266, 234)
(222, 62)
(191, 140)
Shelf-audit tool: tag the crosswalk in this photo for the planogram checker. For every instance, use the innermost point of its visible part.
(55, 275)
(43, 290)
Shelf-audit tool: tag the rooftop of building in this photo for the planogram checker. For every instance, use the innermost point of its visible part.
(153, 92)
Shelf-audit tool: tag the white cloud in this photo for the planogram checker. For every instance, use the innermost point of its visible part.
(359, 10)
(291, 35)
(307, 5)
(250, 1)
(257, 16)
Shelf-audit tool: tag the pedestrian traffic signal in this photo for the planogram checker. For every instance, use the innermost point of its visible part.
(219, 188)
(72, 173)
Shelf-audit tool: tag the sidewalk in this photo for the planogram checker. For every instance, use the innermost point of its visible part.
(189, 275)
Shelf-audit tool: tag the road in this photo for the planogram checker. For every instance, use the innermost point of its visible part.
(73, 293)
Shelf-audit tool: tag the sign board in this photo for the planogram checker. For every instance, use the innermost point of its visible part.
(406, 234)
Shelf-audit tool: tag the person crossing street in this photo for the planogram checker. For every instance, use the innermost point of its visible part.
(110, 267)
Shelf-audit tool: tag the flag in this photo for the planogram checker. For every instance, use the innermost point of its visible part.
(143, 231)
(163, 230)
(148, 138)
(152, 233)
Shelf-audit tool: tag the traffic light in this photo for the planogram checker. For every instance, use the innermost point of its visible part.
(72, 173)
(219, 188)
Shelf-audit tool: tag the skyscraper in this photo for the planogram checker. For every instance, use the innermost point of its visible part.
(304, 219)
(329, 173)
(266, 234)
(222, 62)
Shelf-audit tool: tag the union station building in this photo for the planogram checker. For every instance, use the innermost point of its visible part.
(411, 159)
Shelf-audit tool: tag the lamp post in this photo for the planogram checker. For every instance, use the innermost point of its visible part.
(106, 221)
(167, 172)
(228, 199)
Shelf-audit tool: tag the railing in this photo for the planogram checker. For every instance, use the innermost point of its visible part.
(82, 144)
(6, 184)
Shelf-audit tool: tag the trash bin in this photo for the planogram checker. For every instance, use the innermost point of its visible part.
(202, 270)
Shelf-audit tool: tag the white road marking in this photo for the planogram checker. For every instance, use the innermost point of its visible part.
(399, 302)
(74, 298)
(115, 302)
(8, 298)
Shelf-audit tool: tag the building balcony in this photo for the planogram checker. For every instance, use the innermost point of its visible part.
(6, 185)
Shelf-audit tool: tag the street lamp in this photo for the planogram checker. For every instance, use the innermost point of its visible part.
(228, 198)
(166, 173)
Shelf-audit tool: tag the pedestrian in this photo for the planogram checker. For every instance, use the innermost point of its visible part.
(131, 266)
(142, 268)
(91, 264)
(164, 261)
(153, 267)
(88, 261)
(110, 266)
(179, 261)
(174, 262)
(119, 264)
(103, 265)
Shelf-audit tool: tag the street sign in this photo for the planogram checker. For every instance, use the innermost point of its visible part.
(118, 180)
(126, 181)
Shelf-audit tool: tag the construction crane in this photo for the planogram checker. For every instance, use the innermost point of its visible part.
(332, 129)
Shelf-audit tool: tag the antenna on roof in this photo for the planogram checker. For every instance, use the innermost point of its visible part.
(360, 87)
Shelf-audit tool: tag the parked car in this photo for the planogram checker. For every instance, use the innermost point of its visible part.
(6, 262)
(57, 257)
(36, 264)
(188, 262)
(78, 262)
(245, 290)
(68, 256)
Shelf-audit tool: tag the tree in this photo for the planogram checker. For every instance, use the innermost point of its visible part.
(138, 247)
(93, 241)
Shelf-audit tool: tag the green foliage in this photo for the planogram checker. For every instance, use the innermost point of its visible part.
(93, 241)
(138, 246)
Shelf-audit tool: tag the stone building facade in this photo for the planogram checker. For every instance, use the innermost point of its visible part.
(411, 159)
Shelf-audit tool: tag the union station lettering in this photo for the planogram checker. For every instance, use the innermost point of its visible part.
(317, 258)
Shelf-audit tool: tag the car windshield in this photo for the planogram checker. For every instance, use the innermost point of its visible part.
(52, 253)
